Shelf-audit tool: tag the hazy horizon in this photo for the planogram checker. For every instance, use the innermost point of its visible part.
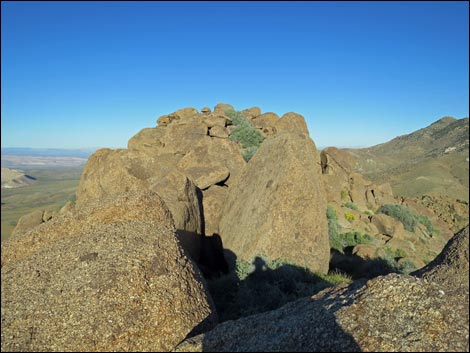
(80, 74)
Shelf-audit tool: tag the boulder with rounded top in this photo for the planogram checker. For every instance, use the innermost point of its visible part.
(277, 206)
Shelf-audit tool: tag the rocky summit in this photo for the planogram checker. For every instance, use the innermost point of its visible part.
(230, 214)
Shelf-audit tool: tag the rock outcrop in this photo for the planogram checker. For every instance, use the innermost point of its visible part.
(391, 313)
(181, 158)
(428, 313)
(111, 276)
(451, 267)
(277, 206)
(28, 221)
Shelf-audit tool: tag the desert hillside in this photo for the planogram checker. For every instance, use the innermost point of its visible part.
(432, 160)
(12, 178)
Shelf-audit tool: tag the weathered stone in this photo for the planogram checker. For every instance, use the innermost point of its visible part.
(392, 313)
(205, 176)
(365, 251)
(124, 207)
(149, 140)
(164, 120)
(181, 138)
(69, 206)
(205, 110)
(277, 206)
(121, 283)
(292, 122)
(218, 131)
(181, 197)
(28, 222)
(266, 120)
(212, 120)
(185, 113)
(451, 267)
(213, 201)
(388, 226)
(222, 107)
(336, 161)
(48, 214)
(110, 172)
(215, 152)
(251, 112)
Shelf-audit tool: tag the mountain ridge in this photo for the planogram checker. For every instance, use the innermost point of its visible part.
(432, 160)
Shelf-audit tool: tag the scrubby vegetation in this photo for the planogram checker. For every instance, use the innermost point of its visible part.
(409, 219)
(333, 227)
(351, 205)
(246, 134)
(262, 285)
(350, 217)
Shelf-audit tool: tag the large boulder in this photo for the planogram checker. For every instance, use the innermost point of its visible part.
(113, 278)
(265, 120)
(292, 122)
(392, 313)
(28, 221)
(451, 267)
(251, 113)
(336, 161)
(111, 172)
(183, 200)
(214, 153)
(277, 206)
(180, 115)
(213, 200)
(388, 225)
(337, 166)
(222, 107)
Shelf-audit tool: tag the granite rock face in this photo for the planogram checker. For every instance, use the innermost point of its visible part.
(119, 282)
(451, 267)
(391, 313)
(277, 207)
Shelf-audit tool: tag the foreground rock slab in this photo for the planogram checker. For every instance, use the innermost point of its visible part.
(121, 282)
(392, 313)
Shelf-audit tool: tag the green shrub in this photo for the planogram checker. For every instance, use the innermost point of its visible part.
(402, 214)
(391, 254)
(409, 219)
(333, 228)
(349, 217)
(344, 195)
(407, 267)
(428, 224)
(247, 135)
(264, 285)
(243, 269)
(344, 240)
(351, 205)
(237, 117)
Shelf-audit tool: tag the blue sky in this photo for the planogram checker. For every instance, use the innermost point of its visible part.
(92, 74)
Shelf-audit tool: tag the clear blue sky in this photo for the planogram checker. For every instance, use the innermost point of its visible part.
(92, 74)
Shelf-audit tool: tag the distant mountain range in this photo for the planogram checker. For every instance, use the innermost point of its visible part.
(432, 160)
(47, 152)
